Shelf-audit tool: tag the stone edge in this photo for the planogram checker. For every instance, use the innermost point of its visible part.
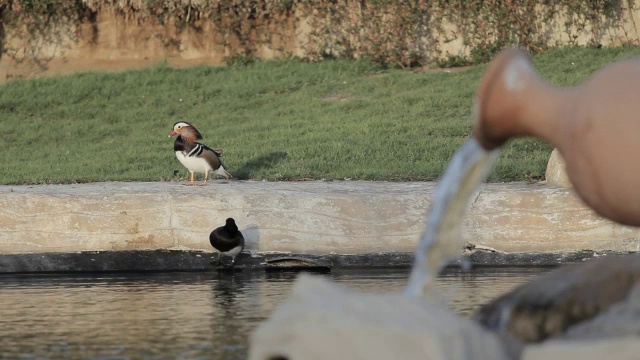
(198, 261)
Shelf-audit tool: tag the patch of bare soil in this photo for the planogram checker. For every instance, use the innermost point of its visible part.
(425, 69)
(10, 70)
(338, 97)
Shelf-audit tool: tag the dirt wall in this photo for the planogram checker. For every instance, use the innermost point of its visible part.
(118, 35)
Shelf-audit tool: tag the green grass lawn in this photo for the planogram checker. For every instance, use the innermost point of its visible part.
(280, 120)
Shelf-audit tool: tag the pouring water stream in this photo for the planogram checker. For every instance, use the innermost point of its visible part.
(440, 240)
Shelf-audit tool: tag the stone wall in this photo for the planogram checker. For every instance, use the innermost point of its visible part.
(315, 217)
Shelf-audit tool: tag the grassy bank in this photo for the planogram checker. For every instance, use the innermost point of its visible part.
(284, 120)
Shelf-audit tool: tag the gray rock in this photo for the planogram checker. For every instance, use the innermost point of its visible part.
(556, 173)
(620, 320)
(321, 320)
(626, 348)
(565, 300)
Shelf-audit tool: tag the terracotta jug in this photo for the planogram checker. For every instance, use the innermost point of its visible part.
(595, 126)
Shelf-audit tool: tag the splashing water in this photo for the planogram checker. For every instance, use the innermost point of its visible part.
(440, 241)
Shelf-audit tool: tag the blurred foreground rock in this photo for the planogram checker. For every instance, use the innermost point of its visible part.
(580, 311)
(553, 303)
(321, 320)
(622, 319)
(627, 348)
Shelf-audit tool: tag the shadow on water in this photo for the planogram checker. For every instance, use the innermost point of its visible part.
(231, 294)
(256, 164)
(227, 287)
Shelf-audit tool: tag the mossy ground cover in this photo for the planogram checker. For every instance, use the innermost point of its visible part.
(275, 120)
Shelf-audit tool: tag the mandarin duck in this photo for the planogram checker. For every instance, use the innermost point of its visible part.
(227, 240)
(196, 157)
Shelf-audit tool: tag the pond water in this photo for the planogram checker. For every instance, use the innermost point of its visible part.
(183, 315)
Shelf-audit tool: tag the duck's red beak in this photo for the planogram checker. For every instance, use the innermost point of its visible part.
(173, 133)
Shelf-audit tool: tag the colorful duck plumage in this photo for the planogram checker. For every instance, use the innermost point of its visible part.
(195, 156)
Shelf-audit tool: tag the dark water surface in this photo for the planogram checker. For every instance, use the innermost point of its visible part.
(182, 315)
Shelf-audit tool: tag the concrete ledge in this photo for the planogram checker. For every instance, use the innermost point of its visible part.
(198, 261)
(345, 217)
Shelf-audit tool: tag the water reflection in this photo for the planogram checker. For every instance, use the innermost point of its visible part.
(181, 315)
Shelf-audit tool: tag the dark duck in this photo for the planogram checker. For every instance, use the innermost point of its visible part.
(227, 240)
(195, 156)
